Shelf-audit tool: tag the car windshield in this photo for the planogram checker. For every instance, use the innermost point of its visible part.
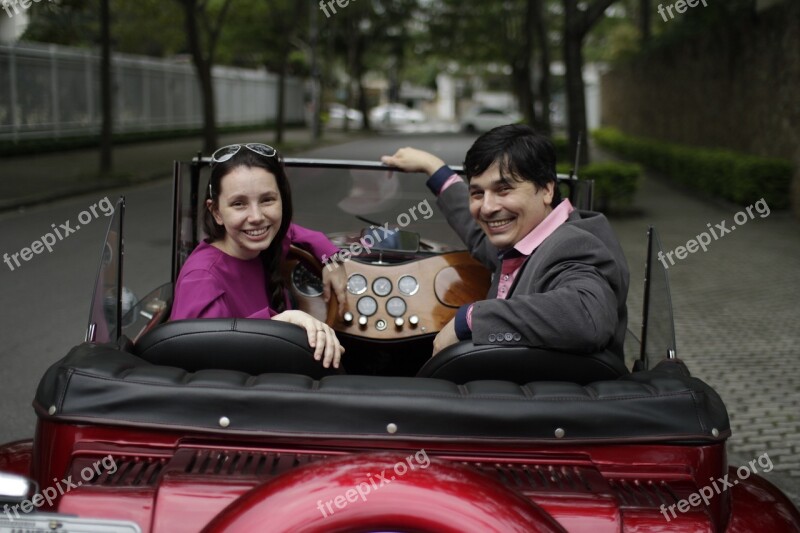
(658, 328)
(344, 199)
(105, 310)
(338, 199)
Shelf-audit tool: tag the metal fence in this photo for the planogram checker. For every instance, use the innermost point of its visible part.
(50, 91)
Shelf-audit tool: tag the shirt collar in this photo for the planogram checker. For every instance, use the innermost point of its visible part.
(543, 230)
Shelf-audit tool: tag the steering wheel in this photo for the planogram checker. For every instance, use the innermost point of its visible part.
(302, 275)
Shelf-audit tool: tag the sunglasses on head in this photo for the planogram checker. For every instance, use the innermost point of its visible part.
(226, 152)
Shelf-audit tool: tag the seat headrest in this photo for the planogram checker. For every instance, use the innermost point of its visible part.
(247, 345)
(464, 362)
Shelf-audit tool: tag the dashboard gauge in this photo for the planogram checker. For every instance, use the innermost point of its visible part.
(382, 286)
(356, 284)
(305, 281)
(408, 285)
(367, 305)
(396, 306)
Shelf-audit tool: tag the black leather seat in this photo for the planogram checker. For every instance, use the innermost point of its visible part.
(247, 345)
(464, 362)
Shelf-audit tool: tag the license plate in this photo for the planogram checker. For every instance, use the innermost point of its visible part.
(55, 523)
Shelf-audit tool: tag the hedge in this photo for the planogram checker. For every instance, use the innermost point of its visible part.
(28, 147)
(737, 177)
(615, 183)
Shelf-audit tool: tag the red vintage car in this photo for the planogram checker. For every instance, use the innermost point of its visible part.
(230, 425)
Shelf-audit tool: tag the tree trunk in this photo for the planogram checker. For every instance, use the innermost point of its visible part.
(544, 66)
(576, 96)
(203, 67)
(106, 91)
(358, 73)
(281, 117)
(521, 75)
(577, 24)
(644, 20)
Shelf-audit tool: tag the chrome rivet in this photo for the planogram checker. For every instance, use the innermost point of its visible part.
(224, 422)
(52, 410)
(391, 428)
(560, 433)
(715, 432)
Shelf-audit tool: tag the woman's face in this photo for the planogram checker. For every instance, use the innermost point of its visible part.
(249, 206)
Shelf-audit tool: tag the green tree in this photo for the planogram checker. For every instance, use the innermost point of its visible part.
(507, 32)
(577, 24)
(203, 20)
(266, 33)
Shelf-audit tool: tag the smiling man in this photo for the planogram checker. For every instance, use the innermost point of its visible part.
(560, 278)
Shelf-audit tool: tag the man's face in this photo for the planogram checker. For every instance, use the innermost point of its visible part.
(507, 209)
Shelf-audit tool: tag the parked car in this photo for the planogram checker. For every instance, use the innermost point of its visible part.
(337, 113)
(388, 115)
(229, 425)
(485, 118)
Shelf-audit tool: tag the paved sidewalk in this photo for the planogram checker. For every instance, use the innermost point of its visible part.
(29, 180)
(737, 315)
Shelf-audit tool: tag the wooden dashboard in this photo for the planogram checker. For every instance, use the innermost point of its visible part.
(391, 301)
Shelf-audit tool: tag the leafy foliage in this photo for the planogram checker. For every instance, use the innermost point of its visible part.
(741, 178)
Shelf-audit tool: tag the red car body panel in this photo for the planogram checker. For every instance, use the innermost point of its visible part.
(465, 486)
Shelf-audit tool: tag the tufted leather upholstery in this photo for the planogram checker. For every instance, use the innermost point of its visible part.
(106, 384)
(464, 362)
(246, 345)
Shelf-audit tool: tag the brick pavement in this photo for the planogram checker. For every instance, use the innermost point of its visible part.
(737, 315)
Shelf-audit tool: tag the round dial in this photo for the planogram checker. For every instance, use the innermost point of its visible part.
(396, 306)
(408, 285)
(367, 305)
(305, 281)
(356, 284)
(382, 286)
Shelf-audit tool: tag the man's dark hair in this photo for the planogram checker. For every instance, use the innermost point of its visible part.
(520, 152)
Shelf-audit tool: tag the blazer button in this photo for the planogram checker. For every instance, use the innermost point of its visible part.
(517, 337)
(492, 337)
(509, 337)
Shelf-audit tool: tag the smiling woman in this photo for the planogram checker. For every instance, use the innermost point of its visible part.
(235, 272)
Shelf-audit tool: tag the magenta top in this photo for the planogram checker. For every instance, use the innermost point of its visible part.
(213, 284)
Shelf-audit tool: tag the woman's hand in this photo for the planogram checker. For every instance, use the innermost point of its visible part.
(334, 278)
(413, 160)
(320, 336)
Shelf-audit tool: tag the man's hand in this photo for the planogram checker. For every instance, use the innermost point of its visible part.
(413, 160)
(445, 338)
(335, 279)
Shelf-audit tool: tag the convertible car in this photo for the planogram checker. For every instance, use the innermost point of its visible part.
(230, 425)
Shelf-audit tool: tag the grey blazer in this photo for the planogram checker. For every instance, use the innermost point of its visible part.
(569, 294)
